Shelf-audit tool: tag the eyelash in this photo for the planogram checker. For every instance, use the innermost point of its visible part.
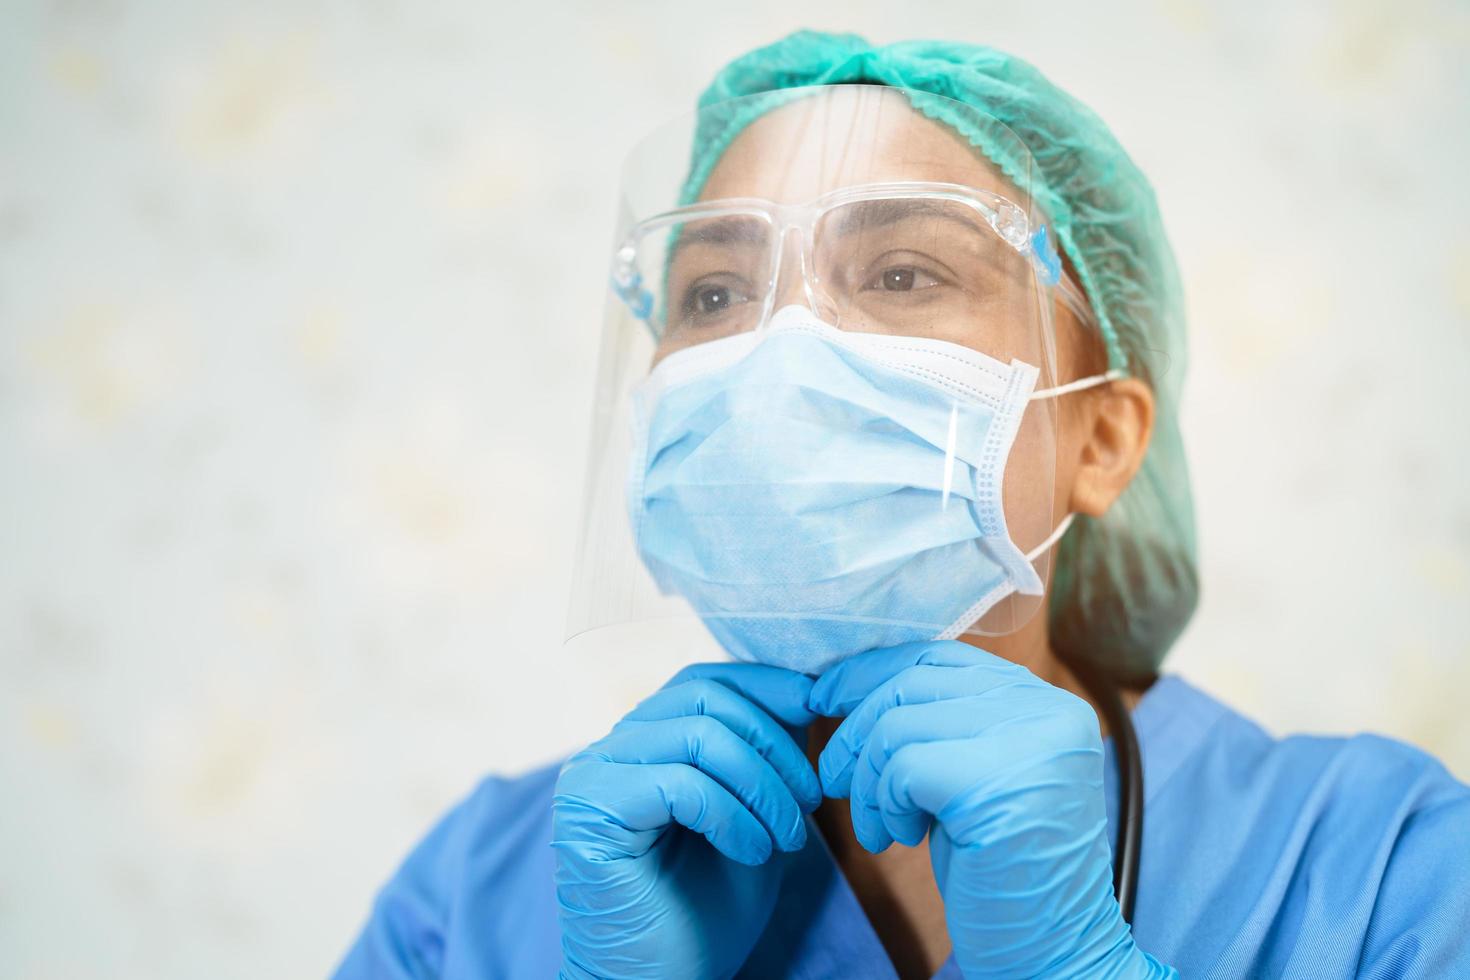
(687, 306)
(875, 282)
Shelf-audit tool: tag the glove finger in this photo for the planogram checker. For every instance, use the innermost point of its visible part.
(906, 827)
(1043, 743)
(961, 724)
(841, 689)
(915, 777)
(867, 826)
(916, 685)
(703, 696)
(871, 823)
(973, 719)
(900, 785)
(645, 799)
(923, 777)
(706, 744)
(778, 692)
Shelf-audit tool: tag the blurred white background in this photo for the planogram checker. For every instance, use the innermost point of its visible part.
(299, 304)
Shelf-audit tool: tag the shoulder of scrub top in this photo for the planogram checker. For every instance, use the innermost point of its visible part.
(1299, 855)
(1370, 832)
(1325, 768)
(506, 817)
(474, 895)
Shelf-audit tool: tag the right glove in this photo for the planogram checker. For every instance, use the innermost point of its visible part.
(664, 829)
(1004, 774)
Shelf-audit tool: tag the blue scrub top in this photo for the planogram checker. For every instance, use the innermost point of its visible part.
(1303, 856)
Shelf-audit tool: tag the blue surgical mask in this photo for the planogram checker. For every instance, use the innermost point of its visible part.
(814, 493)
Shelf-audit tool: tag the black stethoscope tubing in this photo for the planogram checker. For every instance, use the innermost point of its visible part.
(1129, 846)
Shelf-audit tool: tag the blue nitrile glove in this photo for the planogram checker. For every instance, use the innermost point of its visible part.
(664, 829)
(1005, 774)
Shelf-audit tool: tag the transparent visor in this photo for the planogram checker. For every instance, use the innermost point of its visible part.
(821, 421)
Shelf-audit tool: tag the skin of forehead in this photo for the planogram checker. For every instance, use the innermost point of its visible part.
(845, 136)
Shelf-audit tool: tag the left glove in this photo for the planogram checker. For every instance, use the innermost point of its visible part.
(668, 831)
(1005, 774)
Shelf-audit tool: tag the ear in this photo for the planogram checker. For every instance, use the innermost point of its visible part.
(1118, 422)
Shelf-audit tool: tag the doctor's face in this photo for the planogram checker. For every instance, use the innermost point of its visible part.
(914, 266)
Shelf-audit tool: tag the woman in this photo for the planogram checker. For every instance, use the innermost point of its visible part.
(912, 327)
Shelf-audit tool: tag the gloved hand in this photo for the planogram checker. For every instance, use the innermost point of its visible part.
(1005, 774)
(664, 830)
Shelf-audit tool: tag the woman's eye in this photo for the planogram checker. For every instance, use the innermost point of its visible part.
(902, 279)
(712, 299)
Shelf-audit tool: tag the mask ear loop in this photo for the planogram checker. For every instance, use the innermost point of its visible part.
(1081, 384)
(1052, 538)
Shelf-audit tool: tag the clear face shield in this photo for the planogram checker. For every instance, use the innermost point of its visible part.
(823, 421)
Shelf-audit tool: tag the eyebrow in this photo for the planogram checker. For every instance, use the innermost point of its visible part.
(728, 230)
(858, 216)
(865, 215)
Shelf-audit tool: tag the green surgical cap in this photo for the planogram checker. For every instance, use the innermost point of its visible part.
(1126, 583)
